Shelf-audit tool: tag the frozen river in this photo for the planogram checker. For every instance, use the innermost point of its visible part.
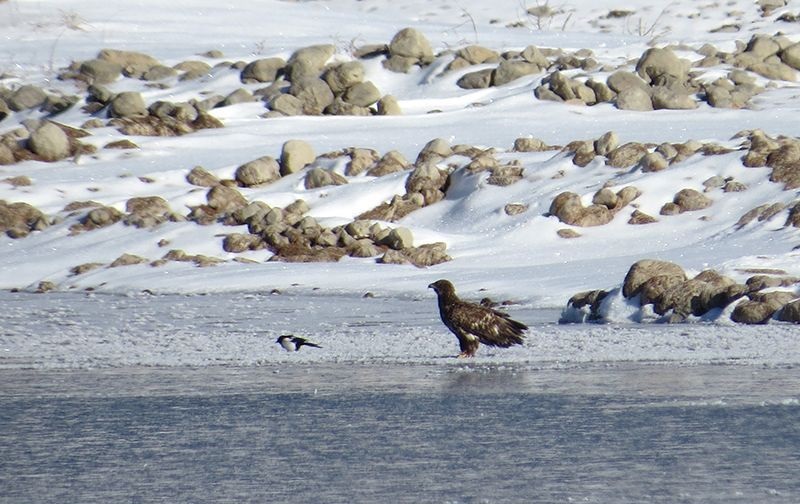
(143, 399)
(401, 433)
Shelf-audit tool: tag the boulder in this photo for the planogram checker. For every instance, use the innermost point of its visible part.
(319, 177)
(411, 43)
(26, 97)
(100, 71)
(128, 104)
(49, 142)
(224, 199)
(691, 200)
(295, 155)
(660, 67)
(391, 162)
(308, 62)
(509, 70)
(146, 211)
(262, 70)
(257, 172)
(17, 220)
(314, 94)
(388, 105)
(626, 155)
(790, 312)
(480, 79)
(634, 98)
(362, 94)
(643, 270)
(344, 75)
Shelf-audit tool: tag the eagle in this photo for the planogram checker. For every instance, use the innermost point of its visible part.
(292, 343)
(474, 324)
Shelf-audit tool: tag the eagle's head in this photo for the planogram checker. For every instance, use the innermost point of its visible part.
(443, 287)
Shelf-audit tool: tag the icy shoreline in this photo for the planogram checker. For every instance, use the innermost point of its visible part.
(78, 331)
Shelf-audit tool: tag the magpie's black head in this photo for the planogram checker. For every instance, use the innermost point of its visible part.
(284, 337)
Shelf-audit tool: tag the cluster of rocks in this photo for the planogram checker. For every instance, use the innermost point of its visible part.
(781, 154)
(307, 84)
(30, 97)
(42, 140)
(675, 297)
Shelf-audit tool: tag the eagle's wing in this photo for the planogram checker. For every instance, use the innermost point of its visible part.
(491, 327)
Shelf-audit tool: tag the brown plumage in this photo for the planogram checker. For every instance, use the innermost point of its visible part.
(474, 324)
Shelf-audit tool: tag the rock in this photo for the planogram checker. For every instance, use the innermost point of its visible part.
(224, 199)
(159, 72)
(314, 94)
(643, 270)
(128, 104)
(691, 200)
(533, 54)
(790, 312)
(360, 161)
(477, 55)
(760, 309)
(146, 212)
(344, 75)
(132, 63)
(567, 233)
(257, 172)
(241, 95)
(626, 155)
(527, 144)
(667, 98)
(638, 217)
(791, 56)
(426, 178)
(653, 289)
(602, 92)
(508, 71)
(480, 79)
(127, 260)
(295, 155)
(319, 177)
(17, 220)
(98, 218)
(399, 238)
(660, 67)
(653, 162)
(237, 242)
(515, 208)
(49, 142)
(99, 71)
(25, 98)
(621, 80)
(308, 62)
(388, 105)
(362, 94)
(605, 197)
(199, 176)
(192, 70)
(762, 47)
(606, 143)
(634, 98)
(410, 43)
(568, 208)
(262, 70)
(428, 254)
(435, 150)
(785, 164)
(287, 105)
(391, 162)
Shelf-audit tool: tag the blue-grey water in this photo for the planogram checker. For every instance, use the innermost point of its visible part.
(402, 433)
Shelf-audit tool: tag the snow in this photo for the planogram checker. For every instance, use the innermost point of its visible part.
(506, 257)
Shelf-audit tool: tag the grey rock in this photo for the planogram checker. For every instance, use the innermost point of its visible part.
(411, 43)
(634, 98)
(100, 71)
(479, 79)
(257, 172)
(262, 70)
(362, 94)
(643, 270)
(295, 155)
(344, 75)
(314, 93)
(128, 104)
(49, 142)
(26, 97)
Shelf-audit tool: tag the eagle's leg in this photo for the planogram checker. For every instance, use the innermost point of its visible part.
(469, 346)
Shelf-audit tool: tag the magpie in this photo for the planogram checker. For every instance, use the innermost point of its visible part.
(292, 343)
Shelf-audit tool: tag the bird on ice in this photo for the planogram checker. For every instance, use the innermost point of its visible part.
(292, 343)
(474, 324)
